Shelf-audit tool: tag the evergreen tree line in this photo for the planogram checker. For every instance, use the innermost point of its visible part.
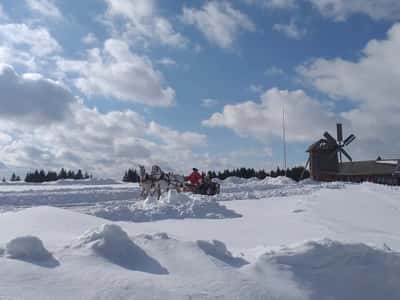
(41, 176)
(294, 173)
(13, 178)
(131, 175)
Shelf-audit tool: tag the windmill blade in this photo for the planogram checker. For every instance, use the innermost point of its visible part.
(345, 154)
(330, 139)
(349, 139)
(305, 169)
(339, 129)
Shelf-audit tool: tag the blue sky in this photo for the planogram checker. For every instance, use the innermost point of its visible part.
(109, 84)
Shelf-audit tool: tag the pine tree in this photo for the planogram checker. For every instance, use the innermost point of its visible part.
(13, 177)
(51, 176)
(42, 176)
(62, 174)
(79, 175)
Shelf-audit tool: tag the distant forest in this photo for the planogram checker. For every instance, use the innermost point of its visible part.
(42, 176)
(131, 175)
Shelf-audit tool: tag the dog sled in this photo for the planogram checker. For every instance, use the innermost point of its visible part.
(158, 182)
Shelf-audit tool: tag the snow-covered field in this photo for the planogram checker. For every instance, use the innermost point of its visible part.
(282, 240)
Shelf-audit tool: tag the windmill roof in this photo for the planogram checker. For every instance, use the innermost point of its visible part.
(318, 145)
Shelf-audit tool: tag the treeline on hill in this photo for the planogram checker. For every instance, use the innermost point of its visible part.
(131, 175)
(294, 173)
(13, 178)
(42, 176)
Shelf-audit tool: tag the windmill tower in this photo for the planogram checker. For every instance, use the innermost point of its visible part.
(326, 155)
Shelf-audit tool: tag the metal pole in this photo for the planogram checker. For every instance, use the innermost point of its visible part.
(284, 137)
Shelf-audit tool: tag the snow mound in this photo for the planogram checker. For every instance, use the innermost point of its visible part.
(333, 270)
(156, 236)
(170, 206)
(218, 250)
(236, 180)
(280, 180)
(175, 198)
(30, 249)
(113, 244)
(27, 248)
(270, 187)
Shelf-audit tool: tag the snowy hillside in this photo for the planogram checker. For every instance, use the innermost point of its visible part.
(282, 240)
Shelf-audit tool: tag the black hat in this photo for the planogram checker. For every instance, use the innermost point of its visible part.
(195, 170)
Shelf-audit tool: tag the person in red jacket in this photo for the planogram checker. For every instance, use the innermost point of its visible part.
(195, 178)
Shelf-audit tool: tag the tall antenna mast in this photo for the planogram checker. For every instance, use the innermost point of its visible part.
(284, 137)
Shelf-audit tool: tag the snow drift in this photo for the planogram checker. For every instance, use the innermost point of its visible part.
(171, 205)
(218, 250)
(113, 244)
(333, 270)
(29, 249)
(234, 188)
(234, 258)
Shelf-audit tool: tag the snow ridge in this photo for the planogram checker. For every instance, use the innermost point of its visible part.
(113, 244)
(172, 205)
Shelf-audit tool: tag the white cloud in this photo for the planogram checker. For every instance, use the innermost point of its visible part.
(185, 140)
(256, 88)
(273, 3)
(219, 22)
(305, 116)
(167, 61)
(274, 71)
(3, 15)
(10, 55)
(38, 39)
(43, 125)
(103, 143)
(44, 7)
(373, 79)
(90, 39)
(116, 72)
(341, 9)
(291, 30)
(4, 139)
(209, 102)
(144, 23)
(32, 98)
(136, 10)
(372, 84)
(268, 151)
